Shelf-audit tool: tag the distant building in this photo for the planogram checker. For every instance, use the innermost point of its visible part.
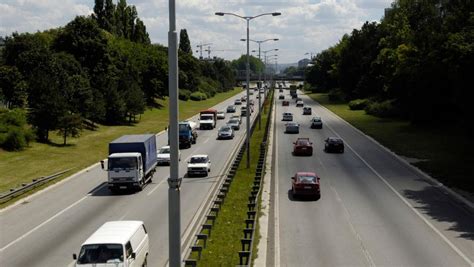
(303, 63)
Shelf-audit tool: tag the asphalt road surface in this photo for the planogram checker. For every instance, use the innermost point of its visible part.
(49, 227)
(374, 210)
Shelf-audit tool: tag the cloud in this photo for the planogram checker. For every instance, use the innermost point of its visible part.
(304, 26)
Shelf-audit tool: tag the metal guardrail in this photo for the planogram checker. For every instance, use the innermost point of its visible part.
(245, 255)
(25, 187)
(205, 230)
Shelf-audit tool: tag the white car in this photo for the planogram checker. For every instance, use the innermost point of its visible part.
(299, 103)
(220, 115)
(199, 165)
(163, 155)
(287, 116)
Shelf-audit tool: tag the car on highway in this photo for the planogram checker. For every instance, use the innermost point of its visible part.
(115, 243)
(238, 102)
(306, 110)
(251, 102)
(163, 155)
(306, 184)
(281, 97)
(292, 127)
(243, 111)
(316, 123)
(225, 132)
(300, 103)
(287, 116)
(281, 90)
(220, 115)
(234, 124)
(199, 165)
(243, 98)
(334, 144)
(285, 103)
(298, 99)
(230, 109)
(302, 147)
(237, 117)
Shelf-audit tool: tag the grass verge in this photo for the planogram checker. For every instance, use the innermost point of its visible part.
(223, 245)
(45, 159)
(443, 151)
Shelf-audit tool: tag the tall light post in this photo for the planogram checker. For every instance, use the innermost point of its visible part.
(259, 76)
(265, 62)
(248, 18)
(174, 181)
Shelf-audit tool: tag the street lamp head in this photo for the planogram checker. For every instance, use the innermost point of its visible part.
(276, 49)
(219, 13)
(276, 14)
(243, 40)
(276, 39)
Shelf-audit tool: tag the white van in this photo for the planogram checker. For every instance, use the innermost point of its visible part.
(115, 243)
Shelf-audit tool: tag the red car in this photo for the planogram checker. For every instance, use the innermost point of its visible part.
(285, 103)
(303, 147)
(305, 184)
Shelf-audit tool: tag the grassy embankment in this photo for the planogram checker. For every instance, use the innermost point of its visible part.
(46, 159)
(224, 244)
(442, 151)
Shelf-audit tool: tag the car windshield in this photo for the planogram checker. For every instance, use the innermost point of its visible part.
(207, 117)
(224, 129)
(302, 142)
(164, 150)
(103, 253)
(292, 124)
(198, 160)
(183, 127)
(307, 179)
(122, 163)
(220, 113)
(316, 119)
(233, 121)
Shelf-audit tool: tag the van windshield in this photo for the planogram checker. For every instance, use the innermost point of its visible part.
(122, 163)
(100, 253)
(183, 127)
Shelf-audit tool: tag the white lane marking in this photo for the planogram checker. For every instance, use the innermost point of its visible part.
(458, 251)
(45, 222)
(205, 141)
(277, 208)
(156, 187)
(364, 249)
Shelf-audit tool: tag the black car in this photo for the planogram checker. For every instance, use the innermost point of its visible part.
(231, 109)
(281, 97)
(334, 144)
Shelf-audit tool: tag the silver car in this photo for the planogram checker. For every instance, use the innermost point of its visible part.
(292, 127)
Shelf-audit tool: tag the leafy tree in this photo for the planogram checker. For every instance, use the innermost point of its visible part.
(13, 87)
(69, 125)
(184, 43)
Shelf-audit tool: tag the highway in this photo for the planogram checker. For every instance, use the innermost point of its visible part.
(46, 229)
(374, 209)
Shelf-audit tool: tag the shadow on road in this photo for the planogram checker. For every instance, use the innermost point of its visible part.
(301, 198)
(434, 203)
(102, 191)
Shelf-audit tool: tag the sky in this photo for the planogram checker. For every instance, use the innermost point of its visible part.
(304, 27)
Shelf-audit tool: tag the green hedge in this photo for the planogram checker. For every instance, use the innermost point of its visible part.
(184, 94)
(384, 109)
(198, 96)
(14, 131)
(359, 104)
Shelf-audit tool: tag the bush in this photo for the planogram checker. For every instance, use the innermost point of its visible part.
(386, 108)
(359, 104)
(14, 140)
(198, 96)
(336, 95)
(184, 94)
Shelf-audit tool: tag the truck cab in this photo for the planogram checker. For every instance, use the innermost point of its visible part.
(207, 119)
(187, 133)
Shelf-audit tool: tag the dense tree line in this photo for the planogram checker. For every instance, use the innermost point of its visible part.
(416, 63)
(94, 71)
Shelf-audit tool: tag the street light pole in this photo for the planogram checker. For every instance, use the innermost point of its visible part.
(259, 76)
(174, 182)
(248, 18)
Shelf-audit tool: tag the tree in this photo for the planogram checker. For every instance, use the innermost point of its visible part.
(69, 125)
(13, 87)
(184, 43)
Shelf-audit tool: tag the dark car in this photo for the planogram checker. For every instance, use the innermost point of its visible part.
(316, 123)
(334, 144)
(306, 110)
(306, 184)
(231, 109)
(303, 147)
(281, 90)
(225, 132)
(292, 127)
(281, 97)
(285, 103)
